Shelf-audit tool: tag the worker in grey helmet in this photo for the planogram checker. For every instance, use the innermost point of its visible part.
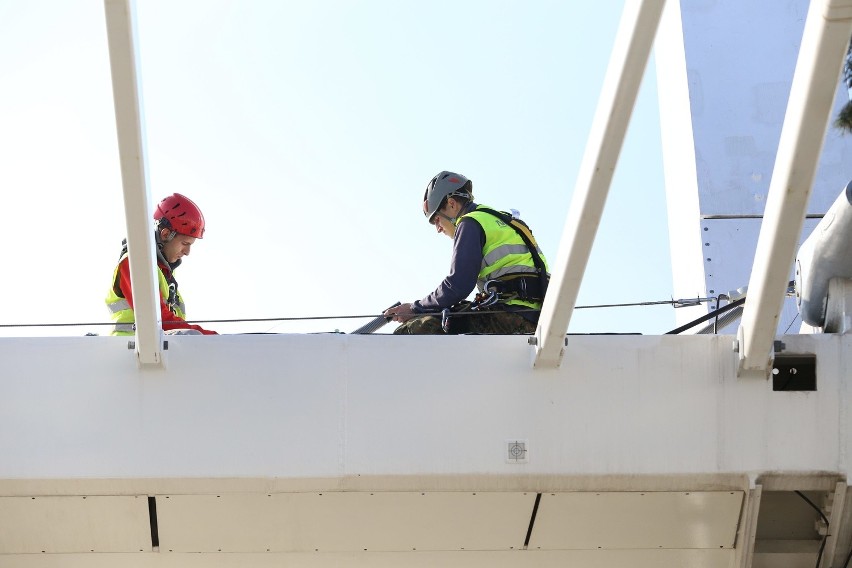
(493, 252)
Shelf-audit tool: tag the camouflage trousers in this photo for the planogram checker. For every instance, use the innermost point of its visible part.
(496, 322)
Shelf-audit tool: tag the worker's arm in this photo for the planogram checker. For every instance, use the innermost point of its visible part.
(464, 269)
(459, 283)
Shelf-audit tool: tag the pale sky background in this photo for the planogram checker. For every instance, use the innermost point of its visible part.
(306, 132)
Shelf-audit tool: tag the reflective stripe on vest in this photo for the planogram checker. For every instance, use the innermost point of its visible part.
(117, 306)
(504, 252)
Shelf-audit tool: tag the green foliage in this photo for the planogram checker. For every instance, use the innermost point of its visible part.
(844, 118)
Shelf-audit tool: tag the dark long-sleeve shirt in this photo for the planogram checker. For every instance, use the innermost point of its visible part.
(468, 243)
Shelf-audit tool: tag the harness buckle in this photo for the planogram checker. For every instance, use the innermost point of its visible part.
(488, 297)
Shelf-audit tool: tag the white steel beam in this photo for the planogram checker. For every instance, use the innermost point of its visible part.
(821, 57)
(747, 532)
(131, 146)
(633, 43)
(838, 502)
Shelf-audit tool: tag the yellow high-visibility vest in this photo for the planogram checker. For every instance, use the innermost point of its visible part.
(122, 314)
(503, 254)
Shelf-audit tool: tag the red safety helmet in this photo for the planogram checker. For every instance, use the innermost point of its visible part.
(182, 215)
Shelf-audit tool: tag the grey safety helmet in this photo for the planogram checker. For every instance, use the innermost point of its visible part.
(442, 186)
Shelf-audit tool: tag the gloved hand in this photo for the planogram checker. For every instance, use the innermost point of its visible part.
(400, 313)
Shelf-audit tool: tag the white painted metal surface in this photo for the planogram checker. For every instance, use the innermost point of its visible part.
(314, 414)
(638, 519)
(824, 45)
(621, 86)
(839, 306)
(679, 159)
(124, 64)
(345, 521)
(491, 559)
(51, 524)
(729, 268)
(724, 71)
(824, 256)
(837, 510)
(317, 406)
(748, 527)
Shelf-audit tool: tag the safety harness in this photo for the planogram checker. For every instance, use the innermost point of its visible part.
(530, 287)
(526, 286)
(172, 300)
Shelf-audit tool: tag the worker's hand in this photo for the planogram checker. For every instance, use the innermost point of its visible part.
(400, 313)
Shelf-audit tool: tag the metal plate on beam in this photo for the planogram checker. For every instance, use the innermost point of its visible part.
(343, 521)
(74, 524)
(638, 520)
(794, 372)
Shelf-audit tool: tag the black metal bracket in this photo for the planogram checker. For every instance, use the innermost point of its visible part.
(794, 372)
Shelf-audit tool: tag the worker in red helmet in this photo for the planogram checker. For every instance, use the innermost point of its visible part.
(179, 222)
(494, 252)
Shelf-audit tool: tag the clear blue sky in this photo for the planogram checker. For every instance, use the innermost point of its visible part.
(307, 131)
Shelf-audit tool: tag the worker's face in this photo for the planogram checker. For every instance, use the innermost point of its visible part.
(178, 247)
(442, 220)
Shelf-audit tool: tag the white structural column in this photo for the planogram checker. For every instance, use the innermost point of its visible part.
(627, 64)
(826, 37)
(681, 144)
(131, 146)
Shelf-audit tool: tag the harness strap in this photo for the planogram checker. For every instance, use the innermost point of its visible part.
(165, 267)
(518, 286)
(526, 235)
